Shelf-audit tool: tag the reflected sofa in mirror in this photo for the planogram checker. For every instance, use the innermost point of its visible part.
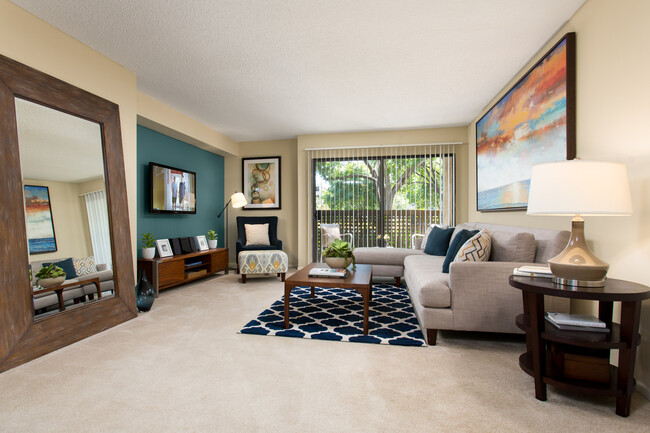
(66, 215)
(45, 163)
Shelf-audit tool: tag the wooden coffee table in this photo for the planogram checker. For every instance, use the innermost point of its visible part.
(359, 280)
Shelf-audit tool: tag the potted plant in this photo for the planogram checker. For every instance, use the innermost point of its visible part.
(50, 276)
(339, 254)
(212, 239)
(149, 246)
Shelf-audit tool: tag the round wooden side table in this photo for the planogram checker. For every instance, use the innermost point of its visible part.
(542, 340)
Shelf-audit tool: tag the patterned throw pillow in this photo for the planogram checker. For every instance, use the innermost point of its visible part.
(476, 249)
(85, 266)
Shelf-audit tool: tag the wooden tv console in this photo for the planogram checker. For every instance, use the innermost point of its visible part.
(167, 272)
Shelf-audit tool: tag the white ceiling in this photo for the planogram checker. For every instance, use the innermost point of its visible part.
(271, 69)
(57, 146)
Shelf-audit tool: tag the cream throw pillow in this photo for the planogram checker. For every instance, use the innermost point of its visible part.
(476, 249)
(257, 234)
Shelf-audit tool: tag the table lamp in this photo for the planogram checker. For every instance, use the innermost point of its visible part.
(578, 188)
(238, 200)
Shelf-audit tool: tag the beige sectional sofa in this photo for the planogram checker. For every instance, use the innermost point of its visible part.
(79, 292)
(473, 296)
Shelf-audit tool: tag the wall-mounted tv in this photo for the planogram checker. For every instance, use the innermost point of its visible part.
(173, 190)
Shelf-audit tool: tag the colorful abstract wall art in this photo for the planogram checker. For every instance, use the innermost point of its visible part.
(533, 123)
(261, 182)
(38, 218)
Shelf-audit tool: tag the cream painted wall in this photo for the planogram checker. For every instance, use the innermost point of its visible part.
(29, 40)
(612, 114)
(287, 215)
(70, 221)
(155, 115)
(382, 138)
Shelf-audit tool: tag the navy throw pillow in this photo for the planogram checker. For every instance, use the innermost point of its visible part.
(462, 237)
(438, 241)
(67, 266)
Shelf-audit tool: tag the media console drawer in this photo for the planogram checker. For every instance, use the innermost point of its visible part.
(168, 272)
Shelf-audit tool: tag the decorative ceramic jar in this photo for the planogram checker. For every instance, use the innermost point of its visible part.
(144, 293)
(338, 262)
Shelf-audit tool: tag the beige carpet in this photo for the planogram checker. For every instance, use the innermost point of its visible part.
(183, 367)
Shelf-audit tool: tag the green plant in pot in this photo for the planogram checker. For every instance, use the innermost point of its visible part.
(338, 254)
(149, 244)
(50, 276)
(212, 239)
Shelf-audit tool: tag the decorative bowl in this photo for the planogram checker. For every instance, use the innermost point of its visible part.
(338, 262)
(47, 283)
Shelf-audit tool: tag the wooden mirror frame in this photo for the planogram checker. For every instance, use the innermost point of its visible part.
(21, 337)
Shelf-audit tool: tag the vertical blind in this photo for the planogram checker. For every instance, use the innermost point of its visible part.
(381, 195)
(97, 210)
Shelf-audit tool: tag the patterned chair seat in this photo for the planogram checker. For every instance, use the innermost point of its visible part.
(263, 262)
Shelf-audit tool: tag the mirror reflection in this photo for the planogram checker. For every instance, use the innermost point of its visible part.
(66, 212)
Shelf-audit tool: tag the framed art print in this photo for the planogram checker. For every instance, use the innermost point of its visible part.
(534, 122)
(38, 220)
(202, 243)
(164, 248)
(261, 182)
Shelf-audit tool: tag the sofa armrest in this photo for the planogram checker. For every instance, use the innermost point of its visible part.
(101, 267)
(482, 298)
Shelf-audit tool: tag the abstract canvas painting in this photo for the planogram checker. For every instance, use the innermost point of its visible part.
(38, 218)
(533, 123)
(261, 182)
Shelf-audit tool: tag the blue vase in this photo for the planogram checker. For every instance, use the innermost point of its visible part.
(144, 293)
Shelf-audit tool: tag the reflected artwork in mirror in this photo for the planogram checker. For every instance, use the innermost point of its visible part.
(61, 145)
(62, 166)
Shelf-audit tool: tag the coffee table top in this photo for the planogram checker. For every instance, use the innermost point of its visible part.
(361, 277)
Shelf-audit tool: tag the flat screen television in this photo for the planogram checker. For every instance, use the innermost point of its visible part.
(173, 190)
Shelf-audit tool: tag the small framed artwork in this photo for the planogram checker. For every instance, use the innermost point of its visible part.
(261, 182)
(534, 122)
(202, 243)
(38, 219)
(164, 248)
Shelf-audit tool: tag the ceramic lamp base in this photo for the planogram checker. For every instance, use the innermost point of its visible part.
(577, 265)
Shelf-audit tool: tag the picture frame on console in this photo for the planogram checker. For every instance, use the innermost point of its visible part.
(534, 122)
(261, 182)
(202, 243)
(164, 248)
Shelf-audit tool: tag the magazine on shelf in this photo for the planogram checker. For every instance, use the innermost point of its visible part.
(328, 272)
(577, 328)
(575, 320)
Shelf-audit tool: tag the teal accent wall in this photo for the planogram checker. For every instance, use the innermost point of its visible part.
(209, 168)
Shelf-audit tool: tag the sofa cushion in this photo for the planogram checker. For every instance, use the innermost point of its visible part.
(458, 241)
(476, 249)
(438, 241)
(383, 256)
(512, 247)
(423, 244)
(427, 284)
(85, 266)
(67, 266)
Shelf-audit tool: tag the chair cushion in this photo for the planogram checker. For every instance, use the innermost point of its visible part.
(257, 234)
(383, 256)
(513, 247)
(476, 249)
(438, 241)
(461, 237)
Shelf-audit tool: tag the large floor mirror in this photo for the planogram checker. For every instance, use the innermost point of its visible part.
(63, 205)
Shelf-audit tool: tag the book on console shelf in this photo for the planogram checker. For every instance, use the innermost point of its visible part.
(575, 320)
(577, 328)
(328, 272)
(533, 271)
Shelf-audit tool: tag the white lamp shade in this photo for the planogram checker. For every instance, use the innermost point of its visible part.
(238, 200)
(579, 188)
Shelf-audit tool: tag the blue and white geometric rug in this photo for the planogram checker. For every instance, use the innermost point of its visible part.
(337, 314)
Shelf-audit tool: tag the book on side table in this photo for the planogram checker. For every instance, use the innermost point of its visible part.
(576, 322)
(533, 271)
(328, 272)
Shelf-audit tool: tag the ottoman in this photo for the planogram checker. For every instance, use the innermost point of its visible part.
(263, 262)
